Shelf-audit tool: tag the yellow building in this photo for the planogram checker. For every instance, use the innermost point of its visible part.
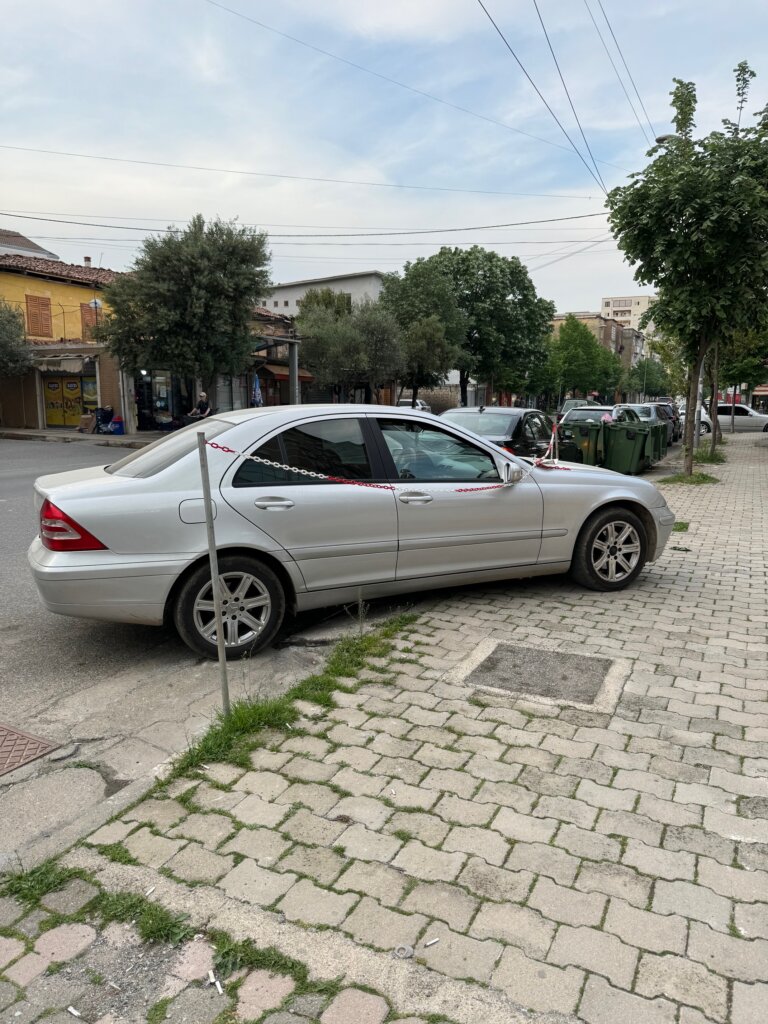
(61, 302)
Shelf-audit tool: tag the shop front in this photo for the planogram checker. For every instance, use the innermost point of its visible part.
(162, 399)
(67, 397)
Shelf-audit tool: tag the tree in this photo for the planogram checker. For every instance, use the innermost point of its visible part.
(505, 323)
(15, 357)
(188, 302)
(694, 223)
(380, 337)
(649, 378)
(348, 346)
(432, 325)
(670, 352)
(577, 357)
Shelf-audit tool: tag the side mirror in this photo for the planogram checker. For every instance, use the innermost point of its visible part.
(512, 474)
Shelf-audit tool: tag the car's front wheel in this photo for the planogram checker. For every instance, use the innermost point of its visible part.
(253, 607)
(705, 429)
(611, 550)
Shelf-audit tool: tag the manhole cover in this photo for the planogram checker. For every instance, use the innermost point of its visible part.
(552, 677)
(18, 748)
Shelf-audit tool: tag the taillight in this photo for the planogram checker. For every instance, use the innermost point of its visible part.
(60, 532)
(508, 448)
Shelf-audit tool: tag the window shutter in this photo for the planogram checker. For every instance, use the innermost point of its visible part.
(88, 318)
(39, 324)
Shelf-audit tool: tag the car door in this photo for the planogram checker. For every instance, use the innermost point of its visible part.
(452, 515)
(339, 534)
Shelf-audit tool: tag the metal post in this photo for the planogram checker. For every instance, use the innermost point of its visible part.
(214, 560)
(699, 400)
(294, 396)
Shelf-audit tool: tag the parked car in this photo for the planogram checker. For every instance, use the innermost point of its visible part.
(705, 422)
(525, 432)
(674, 414)
(127, 542)
(573, 403)
(744, 418)
(407, 403)
(651, 413)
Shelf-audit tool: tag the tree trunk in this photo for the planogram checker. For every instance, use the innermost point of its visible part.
(713, 401)
(694, 371)
(414, 396)
(463, 383)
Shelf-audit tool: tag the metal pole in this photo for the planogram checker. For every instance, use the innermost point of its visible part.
(699, 400)
(214, 560)
(294, 397)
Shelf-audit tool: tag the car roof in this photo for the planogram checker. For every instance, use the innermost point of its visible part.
(510, 410)
(288, 412)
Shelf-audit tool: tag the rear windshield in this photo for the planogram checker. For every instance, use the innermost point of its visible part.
(586, 413)
(483, 423)
(645, 412)
(166, 450)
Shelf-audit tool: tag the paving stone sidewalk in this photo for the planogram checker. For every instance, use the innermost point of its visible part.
(524, 855)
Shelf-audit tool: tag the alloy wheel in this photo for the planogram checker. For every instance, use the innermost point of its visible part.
(246, 606)
(616, 551)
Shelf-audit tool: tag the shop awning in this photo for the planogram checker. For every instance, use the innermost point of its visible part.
(281, 372)
(761, 390)
(64, 364)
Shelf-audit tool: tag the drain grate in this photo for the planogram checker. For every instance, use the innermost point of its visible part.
(18, 748)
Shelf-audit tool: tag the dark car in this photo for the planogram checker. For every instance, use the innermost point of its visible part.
(525, 432)
(674, 414)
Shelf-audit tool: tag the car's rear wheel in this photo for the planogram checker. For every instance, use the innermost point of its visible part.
(611, 550)
(253, 607)
(705, 429)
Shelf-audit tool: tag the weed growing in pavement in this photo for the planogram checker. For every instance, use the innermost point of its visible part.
(153, 922)
(30, 886)
(231, 956)
(157, 1013)
(705, 455)
(232, 739)
(118, 853)
(694, 478)
(680, 527)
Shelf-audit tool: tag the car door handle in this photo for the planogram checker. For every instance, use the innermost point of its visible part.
(415, 498)
(273, 503)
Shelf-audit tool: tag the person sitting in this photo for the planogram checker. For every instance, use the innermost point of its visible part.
(202, 409)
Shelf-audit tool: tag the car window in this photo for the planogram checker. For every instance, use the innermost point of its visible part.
(538, 427)
(331, 447)
(486, 423)
(586, 414)
(424, 453)
(167, 450)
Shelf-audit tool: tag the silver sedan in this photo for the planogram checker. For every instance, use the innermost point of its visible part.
(319, 505)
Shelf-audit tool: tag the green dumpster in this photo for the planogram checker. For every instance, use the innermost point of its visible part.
(625, 446)
(586, 437)
(658, 441)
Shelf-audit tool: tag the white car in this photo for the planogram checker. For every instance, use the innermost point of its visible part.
(705, 421)
(319, 505)
(744, 418)
(407, 403)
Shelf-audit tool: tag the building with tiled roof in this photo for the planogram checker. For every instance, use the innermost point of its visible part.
(13, 243)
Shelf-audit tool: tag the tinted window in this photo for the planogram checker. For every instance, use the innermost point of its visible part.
(425, 453)
(331, 447)
(164, 452)
(586, 414)
(489, 424)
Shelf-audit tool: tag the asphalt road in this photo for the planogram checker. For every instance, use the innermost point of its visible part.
(45, 656)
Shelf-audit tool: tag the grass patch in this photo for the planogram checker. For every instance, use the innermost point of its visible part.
(695, 479)
(118, 853)
(680, 527)
(714, 458)
(156, 1014)
(30, 886)
(231, 956)
(232, 739)
(153, 922)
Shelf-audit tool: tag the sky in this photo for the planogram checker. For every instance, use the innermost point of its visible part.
(245, 94)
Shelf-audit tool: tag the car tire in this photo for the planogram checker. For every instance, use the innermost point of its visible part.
(610, 551)
(253, 612)
(705, 429)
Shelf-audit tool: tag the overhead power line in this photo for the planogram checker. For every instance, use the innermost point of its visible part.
(567, 93)
(567, 256)
(626, 68)
(616, 70)
(391, 81)
(287, 177)
(361, 234)
(539, 93)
